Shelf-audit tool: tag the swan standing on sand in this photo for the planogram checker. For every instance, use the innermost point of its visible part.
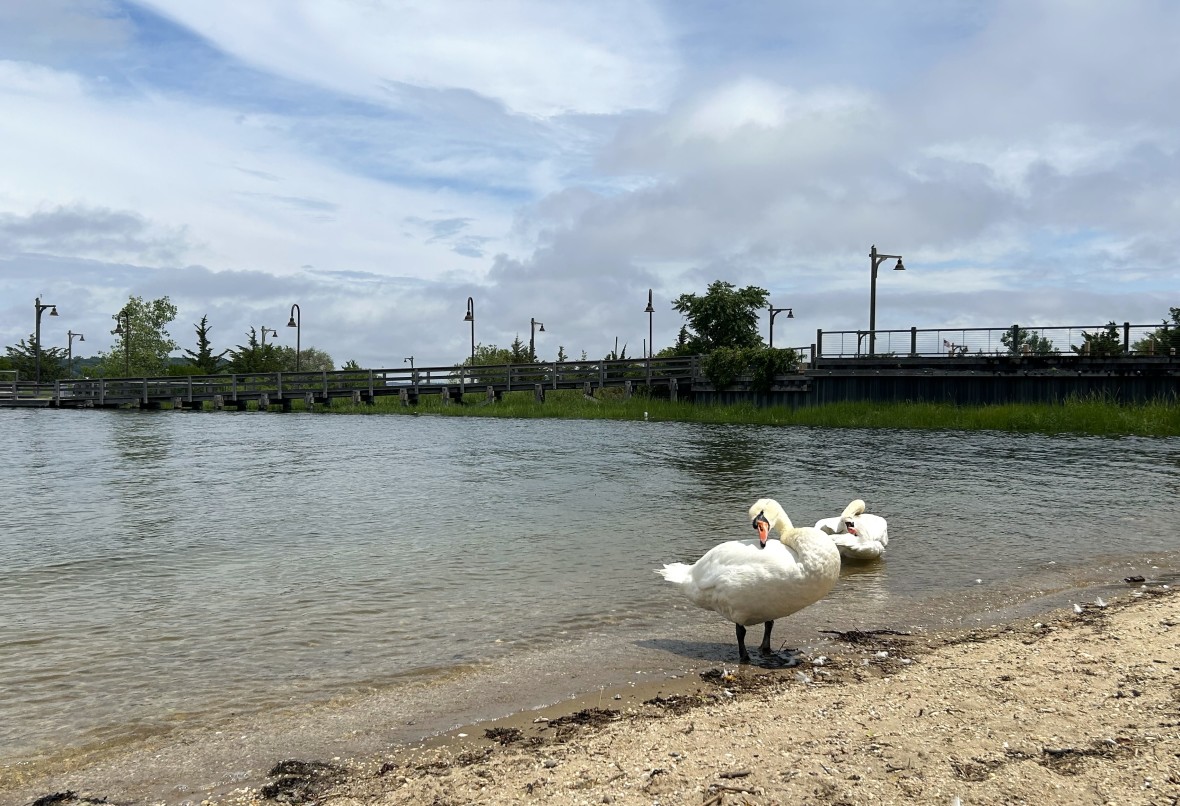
(751, 583)
(858, 535)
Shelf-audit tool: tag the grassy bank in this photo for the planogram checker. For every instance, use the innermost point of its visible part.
(1085, 416)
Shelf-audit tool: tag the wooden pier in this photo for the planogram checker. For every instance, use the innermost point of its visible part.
(670, 377)
(959, 379)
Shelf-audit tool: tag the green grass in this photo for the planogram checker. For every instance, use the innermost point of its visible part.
(1096, 415)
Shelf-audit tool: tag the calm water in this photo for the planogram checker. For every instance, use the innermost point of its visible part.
(175, 569)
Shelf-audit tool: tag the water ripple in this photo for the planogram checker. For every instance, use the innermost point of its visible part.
(162, 567)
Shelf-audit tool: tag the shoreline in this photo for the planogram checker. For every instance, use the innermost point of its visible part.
(1094, 718)
(543, 745)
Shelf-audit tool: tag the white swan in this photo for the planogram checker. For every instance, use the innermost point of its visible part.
(749, 582)
(858, 535)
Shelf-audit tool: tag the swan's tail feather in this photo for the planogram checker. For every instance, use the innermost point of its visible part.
(675, 572)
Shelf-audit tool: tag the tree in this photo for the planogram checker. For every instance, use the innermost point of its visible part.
(310, 359)
(253, 357)
(1105, 342)
(22, 357)
(144, 343)
(203, 359)
(1163, 339)
(723, 317)
(1022, 341)
(520, 353)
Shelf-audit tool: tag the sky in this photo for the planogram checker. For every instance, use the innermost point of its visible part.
(377, 163)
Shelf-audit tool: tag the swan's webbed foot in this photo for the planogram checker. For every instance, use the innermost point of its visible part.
(776, 660)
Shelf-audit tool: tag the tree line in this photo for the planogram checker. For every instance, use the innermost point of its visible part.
(143, 347)
(721, 325)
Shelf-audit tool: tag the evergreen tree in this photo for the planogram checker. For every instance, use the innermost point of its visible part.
(22, 357)
(254, 357)
(1022, 341)
(1164, 339)
(203, 359)
(1105, 342)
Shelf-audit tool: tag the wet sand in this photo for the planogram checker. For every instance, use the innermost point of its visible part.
(1063, 707)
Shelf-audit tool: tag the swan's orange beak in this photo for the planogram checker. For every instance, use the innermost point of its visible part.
(763, 527)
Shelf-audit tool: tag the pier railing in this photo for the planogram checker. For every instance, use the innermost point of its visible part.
(282, 388)
(971, 341)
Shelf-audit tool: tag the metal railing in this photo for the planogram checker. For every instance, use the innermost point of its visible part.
(985, 341)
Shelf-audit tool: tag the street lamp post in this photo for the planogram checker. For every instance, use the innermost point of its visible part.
(40, 309)
(124, 316)
(294, 321)
(534, 328)
(649, 310)
(470, 317)
(266, 330)
(71, 335)
(773, 313)
(411, 360)
(876, 258)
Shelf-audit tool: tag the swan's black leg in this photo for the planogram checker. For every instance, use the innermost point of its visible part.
(743, 655)
(764, 647)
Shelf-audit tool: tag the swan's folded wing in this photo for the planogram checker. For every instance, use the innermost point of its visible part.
(856, 548)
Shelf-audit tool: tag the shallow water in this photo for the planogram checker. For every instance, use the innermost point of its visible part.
(164, 570)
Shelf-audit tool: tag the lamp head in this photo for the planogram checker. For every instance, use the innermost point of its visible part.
(790, 313)
(541, 327)
(53, 311)
(292, 323)
(470, 317)
(118, 331)
(81, 337)
(900, 266)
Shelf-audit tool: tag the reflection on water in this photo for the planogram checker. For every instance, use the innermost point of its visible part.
(166, 565)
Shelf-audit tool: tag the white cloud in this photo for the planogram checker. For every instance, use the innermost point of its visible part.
(379, 164)
(537, 58)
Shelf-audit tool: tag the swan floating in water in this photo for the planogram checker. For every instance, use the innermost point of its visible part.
(751, 583)
(858, 535)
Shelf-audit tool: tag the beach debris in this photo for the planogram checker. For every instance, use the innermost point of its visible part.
(473, 756)
(1068, 760)
(718, 676)
(861, 636)
(296, 781)
(1133, 580)
(504, 736)
(67, 798)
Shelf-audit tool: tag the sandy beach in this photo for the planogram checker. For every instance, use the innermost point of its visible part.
(1070, 707)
